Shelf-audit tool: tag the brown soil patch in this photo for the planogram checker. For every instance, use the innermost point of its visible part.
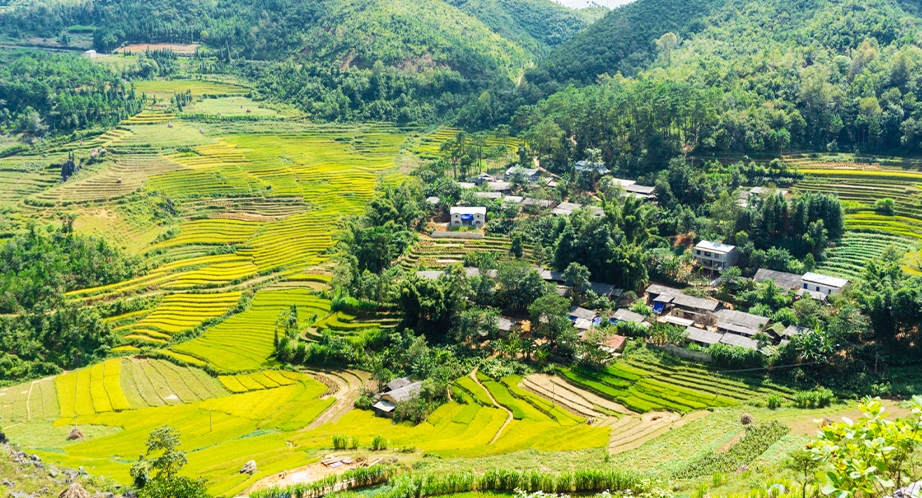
(729, 444)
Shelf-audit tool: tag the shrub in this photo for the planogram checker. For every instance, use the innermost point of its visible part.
(340, 442)
(379, 443)
(364, 402)
(354, 443)
(816, 398)
(774, 401)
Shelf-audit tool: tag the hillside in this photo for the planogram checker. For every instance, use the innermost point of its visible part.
(622, 41)
(537, 25)
(761, 78)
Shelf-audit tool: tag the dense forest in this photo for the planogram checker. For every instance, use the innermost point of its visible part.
(763, 78)
(61, 93)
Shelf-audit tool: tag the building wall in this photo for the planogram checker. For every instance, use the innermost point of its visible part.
(456, 220)
(825, 289)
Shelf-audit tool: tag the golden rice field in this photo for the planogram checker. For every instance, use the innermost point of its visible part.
(228, 212)
(245, 341)
(263, 420)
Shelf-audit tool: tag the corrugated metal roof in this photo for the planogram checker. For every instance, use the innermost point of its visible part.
(826, 280)
(738, 340)
(702, 336)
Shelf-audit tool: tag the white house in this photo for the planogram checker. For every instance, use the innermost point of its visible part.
(824, 284)
(715, 256)
(472, 216)
(530, 173)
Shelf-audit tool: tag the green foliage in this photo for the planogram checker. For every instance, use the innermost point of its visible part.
(758, 438)
(174, 487)
(816, 398)
(726, 356)
(340, 442)
(622, 41)
(379, 443)
(62, 93)
(39, 266)
(872, 455)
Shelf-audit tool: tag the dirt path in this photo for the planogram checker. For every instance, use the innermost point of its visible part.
(569, 396)
(350, 386)
(509, 417)
(29, 400)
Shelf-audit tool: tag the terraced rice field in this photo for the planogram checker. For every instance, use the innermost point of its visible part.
(645, 385)
(217, 432)
(165, 89)
(442, 253)
(245, 341)
(850, 255)
(868, 186)
(37, 400)
(258, 381)
(178, 313)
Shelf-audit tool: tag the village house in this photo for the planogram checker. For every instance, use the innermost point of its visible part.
(702, 337)
(481, 179)
(751, 196)
(739, 341)
(468, 216)
(715, 256)
(394, 392)
(565, 209)
(530, 173)
(623, 315)
(640, 191)
(505, 325)
(790, 281)
(583, 319)
(499, 186)
(737, 322)
(823, 284)
(489, 195)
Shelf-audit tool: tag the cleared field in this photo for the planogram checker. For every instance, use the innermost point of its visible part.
(36, 400)
(245, 341)
(148, 382)
(229, 106)
(179, 48)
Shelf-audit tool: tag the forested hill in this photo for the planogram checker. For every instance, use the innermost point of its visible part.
(622, 41)
(474, 37)
(762, 77)
(536, 25)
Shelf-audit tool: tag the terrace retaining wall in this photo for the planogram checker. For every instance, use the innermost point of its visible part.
(457, 235)
(683, 353)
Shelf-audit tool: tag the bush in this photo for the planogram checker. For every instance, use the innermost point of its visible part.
(379, 443)
(735, 357)
(354, 443)
(340, 442)
(816, 398)
(364, 402)
(774, 401)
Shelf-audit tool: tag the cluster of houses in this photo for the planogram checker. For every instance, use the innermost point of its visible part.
(500, 189)
(718, 257)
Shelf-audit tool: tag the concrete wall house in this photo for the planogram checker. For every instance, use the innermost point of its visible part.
(470, 216)
(715, 256)
(823, 284)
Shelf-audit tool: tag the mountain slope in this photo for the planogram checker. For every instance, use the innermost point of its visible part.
(622, 41)
(763, 77)
(536, 25)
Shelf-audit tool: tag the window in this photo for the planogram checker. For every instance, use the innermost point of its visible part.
(707, 254)
(805, 286)
(817, 288)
